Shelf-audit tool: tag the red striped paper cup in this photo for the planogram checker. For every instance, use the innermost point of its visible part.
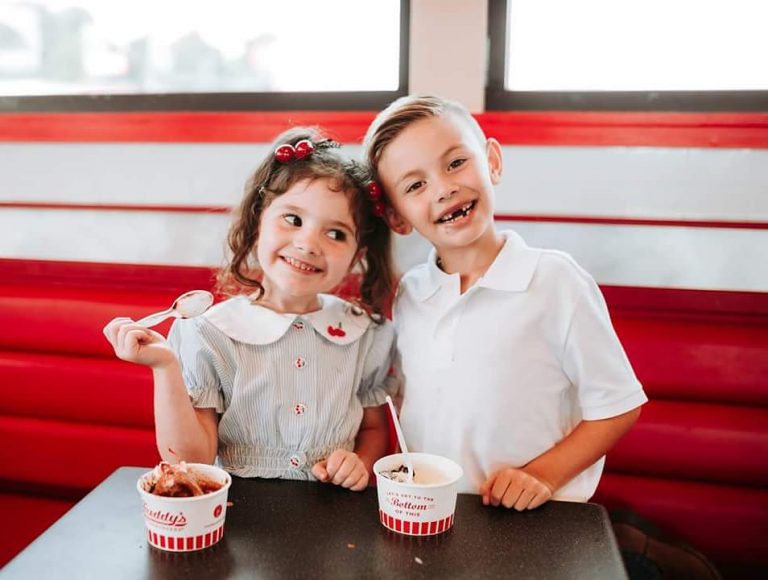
(425, 506)
(185, 524)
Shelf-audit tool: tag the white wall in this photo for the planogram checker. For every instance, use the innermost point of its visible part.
(672, 184)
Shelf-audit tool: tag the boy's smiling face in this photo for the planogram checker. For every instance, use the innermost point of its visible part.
(439, 180)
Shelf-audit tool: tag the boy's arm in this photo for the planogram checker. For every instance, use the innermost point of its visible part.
(533, 484)
(587, 443)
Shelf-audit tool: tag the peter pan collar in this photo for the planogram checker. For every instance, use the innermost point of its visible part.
(243, 321)
(511, 271)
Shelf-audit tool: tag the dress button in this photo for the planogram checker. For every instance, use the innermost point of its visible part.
(295, 461)
(300, 363)
(299, 408)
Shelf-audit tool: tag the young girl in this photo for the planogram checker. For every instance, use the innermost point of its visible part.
(510, 362)
(284, 380)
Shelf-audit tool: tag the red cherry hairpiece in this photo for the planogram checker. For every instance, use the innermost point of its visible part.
(374, 194)
(286, 152)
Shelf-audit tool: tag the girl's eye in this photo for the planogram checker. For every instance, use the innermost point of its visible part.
(414, 186)
(456, 163)
(337, 235)
(292, 219)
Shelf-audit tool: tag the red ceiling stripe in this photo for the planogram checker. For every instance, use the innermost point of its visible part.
(730, 130)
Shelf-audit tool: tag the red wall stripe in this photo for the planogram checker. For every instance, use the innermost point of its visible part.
(115, 207)
(621, 221)
(730, 130)
(206, 209)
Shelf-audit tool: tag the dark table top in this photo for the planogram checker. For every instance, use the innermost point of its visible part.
(289, 529)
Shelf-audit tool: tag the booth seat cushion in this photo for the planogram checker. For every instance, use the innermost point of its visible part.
(70, 457)
(75, 388)
(729, 523)
(696, 441)
(682, 359)
(26, 517)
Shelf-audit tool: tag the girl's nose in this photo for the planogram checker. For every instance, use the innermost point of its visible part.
(306, 241)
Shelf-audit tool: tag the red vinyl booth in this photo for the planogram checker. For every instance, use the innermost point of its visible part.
(695, 463)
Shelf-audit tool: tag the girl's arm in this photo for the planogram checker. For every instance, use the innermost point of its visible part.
(181, 430)
(372, 440)
(352, 470)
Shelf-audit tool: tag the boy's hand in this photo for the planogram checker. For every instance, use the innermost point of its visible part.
(342, 468)
(514, 488)
(134, 343)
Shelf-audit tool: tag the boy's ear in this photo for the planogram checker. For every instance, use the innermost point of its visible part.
(358, 258)
(495, 161)
(396, 223)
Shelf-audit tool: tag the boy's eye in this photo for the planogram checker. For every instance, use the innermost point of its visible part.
(337, 235)
(414, 186)
(292, 219)
(456, 163)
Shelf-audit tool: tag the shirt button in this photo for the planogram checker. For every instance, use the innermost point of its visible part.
(299, 408)
(298, 325)
(300, 363)
(295, 461)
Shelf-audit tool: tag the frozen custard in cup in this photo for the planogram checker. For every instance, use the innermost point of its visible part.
(424, 506)
(184, 505)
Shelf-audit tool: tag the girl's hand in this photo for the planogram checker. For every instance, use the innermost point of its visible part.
(342, 468)
(515, 488)
(134, 343)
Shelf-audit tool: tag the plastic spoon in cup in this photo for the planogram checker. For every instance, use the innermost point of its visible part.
(401, 440)
(188, 305)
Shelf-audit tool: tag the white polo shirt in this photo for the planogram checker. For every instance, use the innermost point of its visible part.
(498, 375)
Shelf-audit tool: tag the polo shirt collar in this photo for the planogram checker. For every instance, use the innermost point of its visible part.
(337, 321)
(511, 271)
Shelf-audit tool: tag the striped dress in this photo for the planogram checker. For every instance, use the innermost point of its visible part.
(289, 388)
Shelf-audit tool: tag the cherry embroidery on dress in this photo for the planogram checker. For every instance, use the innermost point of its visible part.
(336, 331)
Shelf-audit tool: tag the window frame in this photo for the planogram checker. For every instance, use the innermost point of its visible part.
(498, 98)
(224, 101)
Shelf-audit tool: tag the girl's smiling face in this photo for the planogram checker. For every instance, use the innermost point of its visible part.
(307, 245)
(439, 179)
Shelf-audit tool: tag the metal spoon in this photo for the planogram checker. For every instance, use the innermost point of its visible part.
(401, 440)
(188, 305)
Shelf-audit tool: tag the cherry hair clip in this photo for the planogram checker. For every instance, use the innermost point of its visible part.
(374, 193)
(286, 153)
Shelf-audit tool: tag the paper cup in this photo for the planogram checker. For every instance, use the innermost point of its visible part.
(185, 524)
(418, 509)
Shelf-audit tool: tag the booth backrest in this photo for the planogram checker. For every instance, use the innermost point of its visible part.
(695, 462)
(71, 413)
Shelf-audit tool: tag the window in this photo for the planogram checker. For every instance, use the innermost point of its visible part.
(175, 54)
(628, 55)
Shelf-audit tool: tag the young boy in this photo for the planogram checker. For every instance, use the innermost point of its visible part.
(511, 365)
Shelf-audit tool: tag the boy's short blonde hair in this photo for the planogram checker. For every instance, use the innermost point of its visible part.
(405, 111)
